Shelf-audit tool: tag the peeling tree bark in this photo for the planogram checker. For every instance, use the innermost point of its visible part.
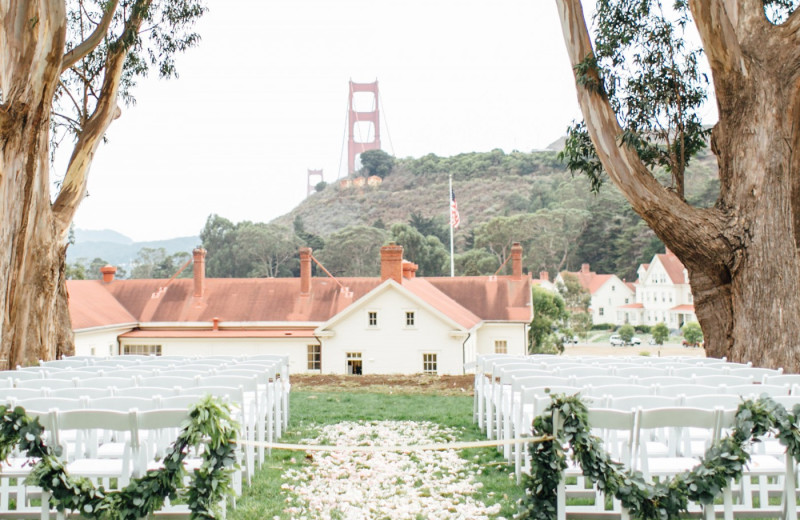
(742, 255)
(35, 320)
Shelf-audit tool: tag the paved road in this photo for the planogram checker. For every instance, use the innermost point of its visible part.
(599, 349)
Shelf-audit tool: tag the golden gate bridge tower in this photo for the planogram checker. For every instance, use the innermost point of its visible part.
(368, 120)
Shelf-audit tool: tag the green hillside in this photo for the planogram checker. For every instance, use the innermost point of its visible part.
(528, 197)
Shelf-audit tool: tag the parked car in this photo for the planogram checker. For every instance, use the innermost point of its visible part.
(636, 341)
(570, 340)
(616, 340)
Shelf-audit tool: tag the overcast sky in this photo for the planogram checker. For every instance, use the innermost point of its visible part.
(263, 98)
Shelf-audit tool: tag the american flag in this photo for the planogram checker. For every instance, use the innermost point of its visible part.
(454, 218)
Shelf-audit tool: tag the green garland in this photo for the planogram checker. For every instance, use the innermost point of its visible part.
(665, 500)
(210, 426)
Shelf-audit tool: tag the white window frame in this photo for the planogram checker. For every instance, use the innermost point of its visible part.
(430, 363)
(141, 349)
(372, 319)
(314, 356)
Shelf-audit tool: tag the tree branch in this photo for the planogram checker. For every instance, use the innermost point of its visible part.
(73, 189)
(78, 52)
(674, 221)
(716, 21)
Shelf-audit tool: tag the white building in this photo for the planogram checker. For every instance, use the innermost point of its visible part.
(663, 294)
(397, 323)
(608, 294)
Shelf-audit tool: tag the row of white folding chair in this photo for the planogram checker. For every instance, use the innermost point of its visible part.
(505, 391)
(110, 448)
(623, 397)
(632, 428)
(490, 365)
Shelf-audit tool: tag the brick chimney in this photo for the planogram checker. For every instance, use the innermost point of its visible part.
(392, 262)
(199, 255)
(108, 272)
(305, 270)
(543, 275)
(585, 268)
(516, 261)
(409, 269)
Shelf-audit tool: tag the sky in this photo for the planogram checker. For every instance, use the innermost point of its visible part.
(263, 98)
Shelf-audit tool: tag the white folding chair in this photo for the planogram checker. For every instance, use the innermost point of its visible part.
(533, 401)
(18, 499)
(148, 392)
(166, 381)
(617, 429)
(757, 373)
(723, 379)
(252, 402)
(766, 476)
(668, 427)
(640, 372)
(21, 375)
(592, 381)
(243, 411)
(781, 379)
(52, 384)
(686, 390)
(87, 426)
(12, 395)
(81, 391)
(757, 390)
(108, 382)
(698, 371)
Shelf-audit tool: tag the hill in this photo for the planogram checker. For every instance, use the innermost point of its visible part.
(603, 229)
(117, 249)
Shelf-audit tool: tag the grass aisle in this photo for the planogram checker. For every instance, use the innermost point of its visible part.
(329, 416)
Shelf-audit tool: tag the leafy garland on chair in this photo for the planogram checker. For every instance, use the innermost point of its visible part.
(209, 426)
(665, 500)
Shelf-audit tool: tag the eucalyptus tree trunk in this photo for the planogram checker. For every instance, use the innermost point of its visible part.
(741, 255)
(31, 243)
(35, 323)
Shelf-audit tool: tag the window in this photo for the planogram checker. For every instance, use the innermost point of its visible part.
(429, 364)
(500, 346)
(354, 363)
(147, 350)
(409, 318)
(600, 311)
(613, 288)
(626, 301)
(372, 318)
(315, 357)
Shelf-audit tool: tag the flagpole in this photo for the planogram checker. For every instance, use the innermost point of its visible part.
(450, 212)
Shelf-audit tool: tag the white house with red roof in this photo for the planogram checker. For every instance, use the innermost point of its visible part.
(608, 293)
(663, 294)
(397, 323)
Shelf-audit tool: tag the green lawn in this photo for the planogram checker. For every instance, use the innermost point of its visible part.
(264, 499)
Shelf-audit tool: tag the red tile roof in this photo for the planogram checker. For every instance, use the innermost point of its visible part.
(632, 306)
(590, 280)
(91, 305)
(221, 334)
(673, 266)
(683, 308)
(466, 300)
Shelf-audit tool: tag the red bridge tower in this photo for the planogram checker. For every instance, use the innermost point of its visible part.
(356, 147)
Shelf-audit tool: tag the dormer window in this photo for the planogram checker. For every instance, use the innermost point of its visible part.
(372, 318)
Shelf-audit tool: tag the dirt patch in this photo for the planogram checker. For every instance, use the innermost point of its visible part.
(387, 384)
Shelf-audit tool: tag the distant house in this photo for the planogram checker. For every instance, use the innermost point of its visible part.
(663, 294)
(607, 291)
(397, 323)
(544, 282)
